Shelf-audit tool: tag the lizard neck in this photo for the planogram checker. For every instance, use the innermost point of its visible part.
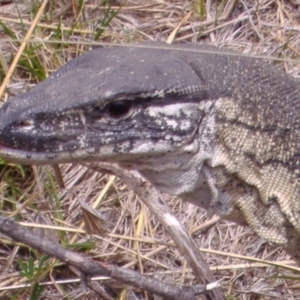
(184, 171)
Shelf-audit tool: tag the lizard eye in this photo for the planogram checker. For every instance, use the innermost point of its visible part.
(118, 109)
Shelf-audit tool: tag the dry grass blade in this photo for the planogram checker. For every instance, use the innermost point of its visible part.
(22, 46)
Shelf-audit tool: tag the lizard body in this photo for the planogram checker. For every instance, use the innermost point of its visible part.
(217, 129)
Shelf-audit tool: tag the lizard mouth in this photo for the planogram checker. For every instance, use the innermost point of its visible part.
(27, 157)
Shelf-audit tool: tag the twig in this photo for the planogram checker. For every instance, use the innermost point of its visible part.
(154, 201)
(89, 267)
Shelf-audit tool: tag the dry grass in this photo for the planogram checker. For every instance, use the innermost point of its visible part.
(134, 239)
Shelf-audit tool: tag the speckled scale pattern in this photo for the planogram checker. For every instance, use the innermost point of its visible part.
(218, 129)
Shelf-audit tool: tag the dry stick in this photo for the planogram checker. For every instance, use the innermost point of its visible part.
(93, 286)
(174, 32)
(89, 267)
(19, 53)
(154, 201)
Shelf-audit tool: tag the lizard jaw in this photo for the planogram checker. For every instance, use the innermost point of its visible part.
(28, 157)
(43, 158)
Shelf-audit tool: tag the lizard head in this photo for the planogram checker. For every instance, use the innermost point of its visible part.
(110, 103)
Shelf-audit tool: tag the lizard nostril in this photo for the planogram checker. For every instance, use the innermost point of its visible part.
(26, 124)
